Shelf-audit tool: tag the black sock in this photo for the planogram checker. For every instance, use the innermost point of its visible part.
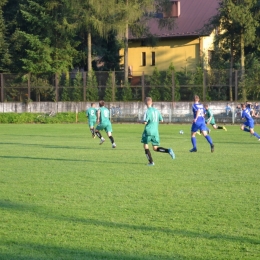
(148, 155)
(220, 127)
(162, 150)
(98, 134)
(111, 139)
(92, 131)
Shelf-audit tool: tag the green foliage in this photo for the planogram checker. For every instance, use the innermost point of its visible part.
(48, 118)
(189, 79)
(92, 87)
(109, 88)
(77, 88)
(65, 83)
(4, 50)
(167, 87)
(127, 93)
(155, 83)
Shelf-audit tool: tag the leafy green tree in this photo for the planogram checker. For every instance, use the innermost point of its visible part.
(238, 21)
(155, 83)
(47, 37)
(77, 87)
(109, 88)
(127, 92)
(92, 87)
(4, 52)
(65, 83)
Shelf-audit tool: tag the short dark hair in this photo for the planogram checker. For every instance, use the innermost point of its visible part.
(101, 103)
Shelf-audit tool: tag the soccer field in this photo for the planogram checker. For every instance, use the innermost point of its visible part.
(64, 196)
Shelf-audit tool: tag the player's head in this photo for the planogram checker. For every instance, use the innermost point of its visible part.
(148, 101)
(196, 98)
(243, 106)
(206, 106)
(93, 104)
(101, 103)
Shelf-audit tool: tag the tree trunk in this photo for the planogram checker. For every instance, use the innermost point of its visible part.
(126, 51)
(89, 52)
(126, 54)
(242, 42)
(231, 71)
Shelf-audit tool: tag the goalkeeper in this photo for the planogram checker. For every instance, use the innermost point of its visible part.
(209, 118)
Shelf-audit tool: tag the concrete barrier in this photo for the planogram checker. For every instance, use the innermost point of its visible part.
(172, 112)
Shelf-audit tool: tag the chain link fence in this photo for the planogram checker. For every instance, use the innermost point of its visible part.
(213, 85)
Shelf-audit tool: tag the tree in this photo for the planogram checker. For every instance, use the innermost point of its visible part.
(92, 90)
(4, 53)
(46, 34)
(238, 24)
(155, 83)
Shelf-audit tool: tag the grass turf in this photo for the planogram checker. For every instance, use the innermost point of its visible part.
(63, 196)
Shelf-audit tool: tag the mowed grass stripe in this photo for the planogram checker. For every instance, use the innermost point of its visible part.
(63, 196)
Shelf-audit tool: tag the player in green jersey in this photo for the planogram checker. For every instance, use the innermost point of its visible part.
(210, 118)
(104, 124)
(151, 133)
(91, 113)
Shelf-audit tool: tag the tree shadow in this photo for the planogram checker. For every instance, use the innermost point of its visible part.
(108, 224)
(46, 252)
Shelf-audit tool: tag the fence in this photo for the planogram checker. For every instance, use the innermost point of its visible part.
(166, 86)
(172, 112)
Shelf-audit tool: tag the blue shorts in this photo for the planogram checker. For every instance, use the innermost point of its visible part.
(198, 126)
(250, 124)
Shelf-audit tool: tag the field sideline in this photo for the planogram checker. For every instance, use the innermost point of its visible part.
(63, 196)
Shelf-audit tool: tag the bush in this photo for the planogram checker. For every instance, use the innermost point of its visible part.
(26, 118)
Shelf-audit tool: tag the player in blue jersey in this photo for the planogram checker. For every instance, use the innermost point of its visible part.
(199, 124)
(104, 124)
(92, 118)
(248, 125)
(152, 117)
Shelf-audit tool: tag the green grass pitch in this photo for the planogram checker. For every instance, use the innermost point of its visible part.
(64, 196)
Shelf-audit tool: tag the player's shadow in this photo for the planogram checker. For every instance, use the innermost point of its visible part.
(51, 146)
(68, 160)
(115, 225)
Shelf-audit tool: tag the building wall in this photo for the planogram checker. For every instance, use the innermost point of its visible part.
(184, 53)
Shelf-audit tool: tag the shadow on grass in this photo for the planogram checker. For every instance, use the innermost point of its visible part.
(44, 252)
(68, 160)
(52, 146)
(108, 224)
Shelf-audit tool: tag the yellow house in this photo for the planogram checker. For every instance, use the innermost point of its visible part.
(185, 46)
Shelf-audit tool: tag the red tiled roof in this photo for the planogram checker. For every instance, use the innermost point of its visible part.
(194, 14)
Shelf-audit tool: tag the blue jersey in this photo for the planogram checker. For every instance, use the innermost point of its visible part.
(198, 107)
(246, 115)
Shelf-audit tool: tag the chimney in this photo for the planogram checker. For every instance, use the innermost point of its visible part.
(175, 10)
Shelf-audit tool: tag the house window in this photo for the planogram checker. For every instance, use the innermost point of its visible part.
(153, 58)
(143, 58)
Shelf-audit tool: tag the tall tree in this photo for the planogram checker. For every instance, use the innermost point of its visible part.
(4, 53)
(237, 23)
(49, 36)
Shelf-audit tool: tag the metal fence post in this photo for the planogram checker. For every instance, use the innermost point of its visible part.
(143, 93)
(29, 86)
(2, 86)
(113, 85)
(173, 86)
(84, 85)
(204, 86)
(236, 85)
(57, 87)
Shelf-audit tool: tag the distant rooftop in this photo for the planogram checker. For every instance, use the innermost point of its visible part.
(193, 16)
